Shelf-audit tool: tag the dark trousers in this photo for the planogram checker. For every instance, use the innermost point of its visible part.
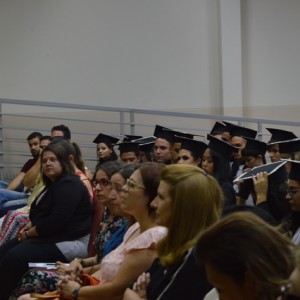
(14, 259)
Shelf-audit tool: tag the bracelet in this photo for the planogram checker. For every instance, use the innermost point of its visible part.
(27, 234)
(75, 293)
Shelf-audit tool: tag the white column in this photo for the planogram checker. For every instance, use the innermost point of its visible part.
(231, 57)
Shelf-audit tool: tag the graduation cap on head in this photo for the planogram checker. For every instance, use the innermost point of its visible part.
(221, 147)
(280, 135)
(228, 125)
(164, 133)
(289, 146)
(295, 170)
(128, 147)
(270, 168)
(106, 139)
(236, 130)
(218, 128)
(255, 146)
(197, 147)
(146, 143)
(130, 137)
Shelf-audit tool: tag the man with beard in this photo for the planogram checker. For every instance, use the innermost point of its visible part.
(11, 191)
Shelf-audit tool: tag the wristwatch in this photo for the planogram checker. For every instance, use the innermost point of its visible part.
(75, 293)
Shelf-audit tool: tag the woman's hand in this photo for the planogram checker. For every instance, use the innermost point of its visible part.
(260, 181)
(75, 267)
(140, 286)
(66, 285)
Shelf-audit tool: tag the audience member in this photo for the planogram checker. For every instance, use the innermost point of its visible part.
(163, 144)
(59, 220)
(239, 270)
(277, 135)
(105, 150)
(129, 152)
(191, 151)
(216, 162)
(9, 192)
(237, 134)
(122, 266)
(110, 236)
(184, 190)
(61, 130)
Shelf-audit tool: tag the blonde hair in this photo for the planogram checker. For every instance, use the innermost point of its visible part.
(196, 204)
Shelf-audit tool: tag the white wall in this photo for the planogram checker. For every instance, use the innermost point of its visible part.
(156, 54)
(271, 49)
(123, 53)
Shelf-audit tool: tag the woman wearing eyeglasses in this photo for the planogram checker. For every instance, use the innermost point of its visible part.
(122, 266)
(60, 220)
(136, 253)
(107, 182)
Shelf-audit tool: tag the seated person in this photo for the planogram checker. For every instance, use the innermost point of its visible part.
(9, 192)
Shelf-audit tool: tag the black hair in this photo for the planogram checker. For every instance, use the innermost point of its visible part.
(64, 129)
(33, 135)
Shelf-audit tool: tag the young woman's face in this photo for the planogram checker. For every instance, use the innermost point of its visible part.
(229, 289)
(102, 186)
(103, 151)
(134, 199)
(207, 162)
(115, 196)
(51, 166)
(186, 157)
(162, 204)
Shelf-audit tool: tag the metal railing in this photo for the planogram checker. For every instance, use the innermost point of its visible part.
(18, 118)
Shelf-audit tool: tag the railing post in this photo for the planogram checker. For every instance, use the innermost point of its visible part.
(259, 131)
(132, 123)
(122, 121)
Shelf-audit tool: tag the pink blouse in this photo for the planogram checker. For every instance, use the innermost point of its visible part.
(112, 262)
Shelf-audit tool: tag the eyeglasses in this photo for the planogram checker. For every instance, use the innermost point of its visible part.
(131, 184)
(51, 160)
(103, 182)
(292, 192)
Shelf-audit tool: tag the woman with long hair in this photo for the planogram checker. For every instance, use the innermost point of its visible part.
(188, 202)
(60, 220)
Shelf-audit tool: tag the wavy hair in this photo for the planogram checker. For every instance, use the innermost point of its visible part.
(197, 200)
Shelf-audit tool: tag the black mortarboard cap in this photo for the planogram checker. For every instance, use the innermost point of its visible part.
(289, 146)
(106, 139)
(130, 137)
(228, 125)
(146, 143)
(270, 168)
(255, 146)
(218, 128)
(197, 147)
(221, 147)
(295, 170)
(280, 135)
(236, 130)
(164, 133)
(128, 147)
